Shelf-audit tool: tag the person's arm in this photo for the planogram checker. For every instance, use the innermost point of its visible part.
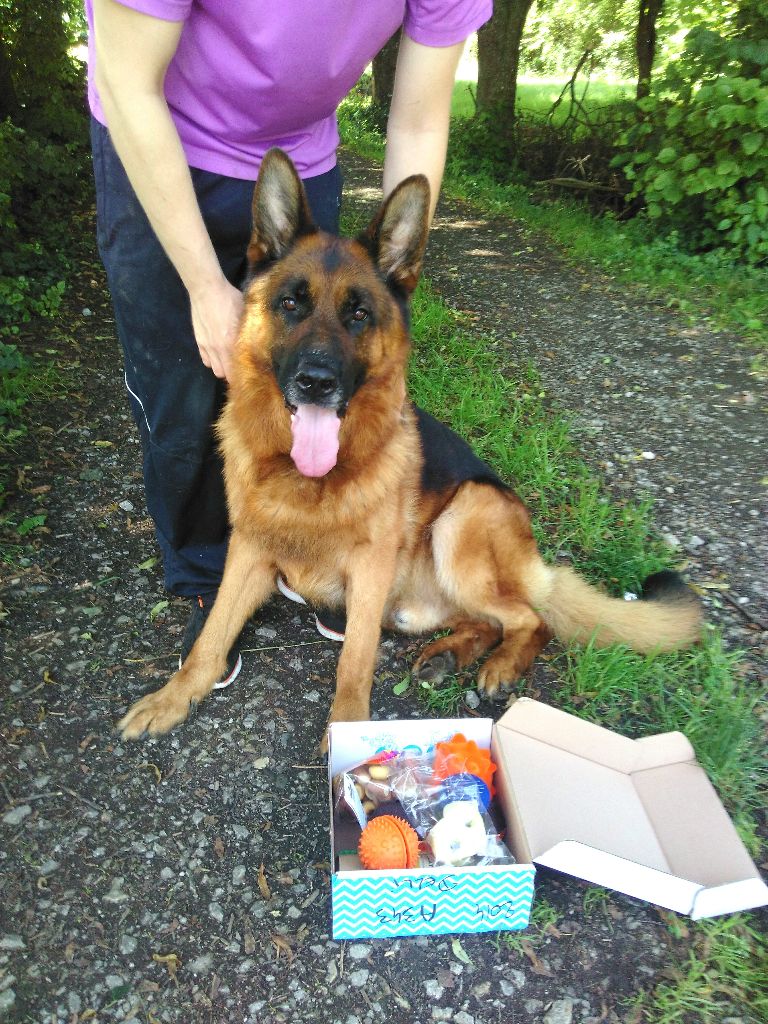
(417, 129)
(133, 52)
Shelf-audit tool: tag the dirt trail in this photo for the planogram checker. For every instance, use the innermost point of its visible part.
(132, 871)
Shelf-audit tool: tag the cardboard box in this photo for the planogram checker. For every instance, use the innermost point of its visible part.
(421, 901)
(638, 816)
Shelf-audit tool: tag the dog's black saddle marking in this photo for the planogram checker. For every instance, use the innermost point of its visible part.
(448, 459)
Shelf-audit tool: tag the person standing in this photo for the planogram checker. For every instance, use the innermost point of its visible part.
(186, 96)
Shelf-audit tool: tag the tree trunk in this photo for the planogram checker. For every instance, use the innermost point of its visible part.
(645, 43)
(498, 55)
(9, 103)
(384, 65)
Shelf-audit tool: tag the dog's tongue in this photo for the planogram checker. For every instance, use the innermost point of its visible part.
(315, 439)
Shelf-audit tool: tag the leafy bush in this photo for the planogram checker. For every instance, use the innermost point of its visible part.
(43, 178)
(11, 364)
(698, 157)
(546, 155)
(38, 178)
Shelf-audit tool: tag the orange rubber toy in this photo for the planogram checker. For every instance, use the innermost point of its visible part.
(460, 755)
(388, 842)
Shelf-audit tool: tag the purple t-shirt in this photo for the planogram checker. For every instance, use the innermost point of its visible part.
(251, 74)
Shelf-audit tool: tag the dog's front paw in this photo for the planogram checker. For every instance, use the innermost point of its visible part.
(156, 713)
(434, 669)
(497, 673)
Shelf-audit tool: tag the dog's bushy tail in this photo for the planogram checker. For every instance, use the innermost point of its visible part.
(667, 616)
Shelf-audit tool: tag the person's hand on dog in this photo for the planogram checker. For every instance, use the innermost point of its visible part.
(216, 312)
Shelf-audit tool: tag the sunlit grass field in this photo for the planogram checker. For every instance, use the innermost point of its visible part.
(537, 95)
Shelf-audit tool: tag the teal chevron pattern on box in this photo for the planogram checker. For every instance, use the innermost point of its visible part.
(369, 904)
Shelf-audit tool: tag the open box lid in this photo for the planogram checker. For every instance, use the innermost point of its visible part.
(638, 816)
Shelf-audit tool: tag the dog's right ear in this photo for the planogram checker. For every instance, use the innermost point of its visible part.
(280, 210)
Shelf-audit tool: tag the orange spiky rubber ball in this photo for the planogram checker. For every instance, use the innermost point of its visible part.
(388, 842)
(459, 755)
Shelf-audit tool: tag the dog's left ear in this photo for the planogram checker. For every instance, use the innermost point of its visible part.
(397, 236)
(280, 209)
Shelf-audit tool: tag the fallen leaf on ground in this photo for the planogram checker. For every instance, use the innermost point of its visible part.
(264, 889)
(150, 764)
(459, 953)
(171, 962)
(539, 967)
(552, 930)
(282, 945)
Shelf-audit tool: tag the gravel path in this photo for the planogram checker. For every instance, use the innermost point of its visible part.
(133, 888)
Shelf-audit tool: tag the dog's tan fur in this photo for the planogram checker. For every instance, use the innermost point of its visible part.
(367, 536)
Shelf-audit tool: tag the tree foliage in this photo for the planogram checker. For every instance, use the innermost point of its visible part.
(42, 154)
(558, 32)
(699, 154)
(43, 84)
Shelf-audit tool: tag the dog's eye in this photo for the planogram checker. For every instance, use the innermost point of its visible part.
(288, 303)
(360, 314)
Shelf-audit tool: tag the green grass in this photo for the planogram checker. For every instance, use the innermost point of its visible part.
(536, 96)
(596, 901)
(543, 922)
(445, 699)
(710, 286)
(699, 692)
(456, 376)
(723, 975)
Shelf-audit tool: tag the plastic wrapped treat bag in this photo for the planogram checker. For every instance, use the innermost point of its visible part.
(451, 816)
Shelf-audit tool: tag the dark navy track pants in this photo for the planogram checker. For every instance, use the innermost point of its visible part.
(174, 398)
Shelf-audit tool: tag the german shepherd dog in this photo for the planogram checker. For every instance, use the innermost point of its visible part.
(359, 500)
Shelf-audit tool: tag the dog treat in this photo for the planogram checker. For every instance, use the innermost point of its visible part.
(388, 842)
(459, 835)
(371, 781)
(364, 788)
(378, 792)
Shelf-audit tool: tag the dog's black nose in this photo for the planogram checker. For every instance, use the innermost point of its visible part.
(315, 381)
